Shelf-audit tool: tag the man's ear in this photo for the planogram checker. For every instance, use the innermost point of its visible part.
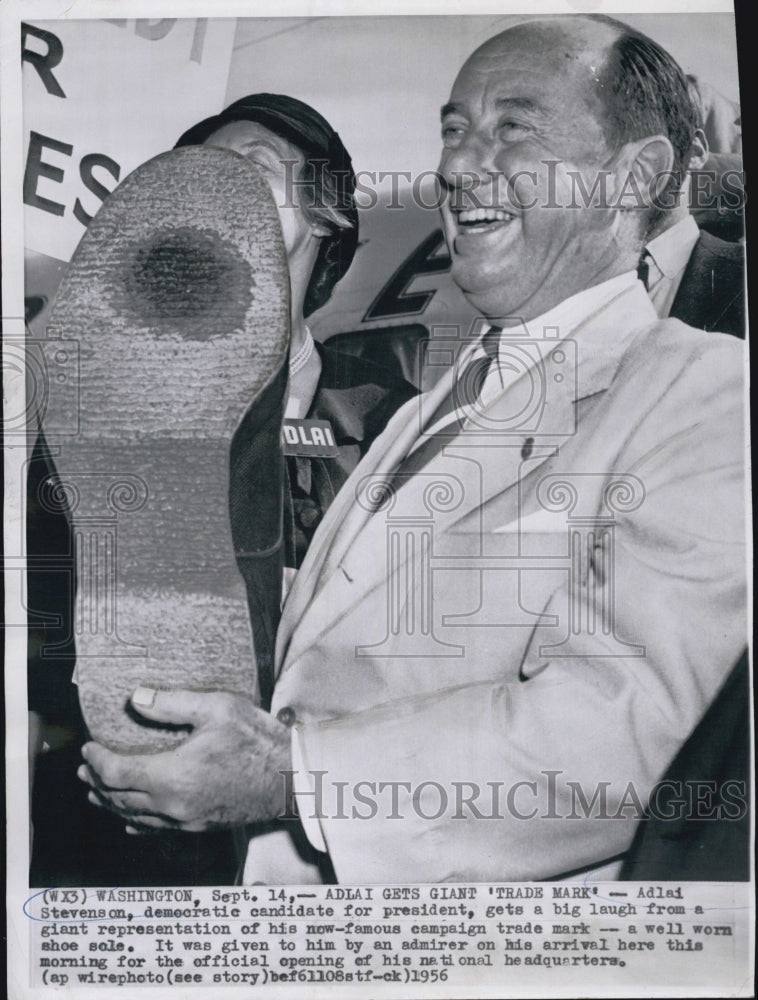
(700, 151)
(643, 169)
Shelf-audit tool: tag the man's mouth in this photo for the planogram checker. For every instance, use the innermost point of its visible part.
(482, 220)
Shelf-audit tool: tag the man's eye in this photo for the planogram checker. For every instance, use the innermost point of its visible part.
(513, 130)
(264, 160)
(260, 161)
(451, 133)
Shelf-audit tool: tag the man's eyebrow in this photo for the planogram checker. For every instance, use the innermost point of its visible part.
(521, 104)
(526, 104)
(254, 143)
(449, 109)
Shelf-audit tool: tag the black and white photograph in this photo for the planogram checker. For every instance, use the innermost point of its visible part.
(376, 518)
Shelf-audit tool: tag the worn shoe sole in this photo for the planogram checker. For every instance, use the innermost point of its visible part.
(177, 302)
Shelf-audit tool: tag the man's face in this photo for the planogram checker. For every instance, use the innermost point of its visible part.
(522, 102)
(271, 155)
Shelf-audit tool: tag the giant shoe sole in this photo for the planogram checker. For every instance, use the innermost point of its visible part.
(177, 301)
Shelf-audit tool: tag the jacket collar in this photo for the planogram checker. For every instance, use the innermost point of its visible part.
(345, 410)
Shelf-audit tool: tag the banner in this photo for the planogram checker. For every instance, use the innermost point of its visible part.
(163, 75)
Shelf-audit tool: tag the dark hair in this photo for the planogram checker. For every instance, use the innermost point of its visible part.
(326, 182)
(645, 92)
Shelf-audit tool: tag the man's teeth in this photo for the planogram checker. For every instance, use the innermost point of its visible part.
(471, 215)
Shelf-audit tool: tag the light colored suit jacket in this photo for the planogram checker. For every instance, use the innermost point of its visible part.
(543, 614)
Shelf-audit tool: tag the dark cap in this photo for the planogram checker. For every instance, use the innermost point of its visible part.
(310, 132)
(289, 118)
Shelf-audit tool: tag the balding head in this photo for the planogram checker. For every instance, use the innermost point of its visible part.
(535, 166)
(576, 46)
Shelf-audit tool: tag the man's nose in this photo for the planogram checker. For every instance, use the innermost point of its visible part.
(467, 169)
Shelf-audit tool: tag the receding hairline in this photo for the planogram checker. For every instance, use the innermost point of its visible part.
(589, 38)
(568, 27)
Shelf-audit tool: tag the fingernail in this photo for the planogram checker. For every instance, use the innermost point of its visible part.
(83, 773)
(93, 799)
(143, 697)
(85, 750)
(131, 829)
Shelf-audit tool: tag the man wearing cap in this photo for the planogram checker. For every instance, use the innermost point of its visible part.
(340, 400)
(312, 179)
(513, 615)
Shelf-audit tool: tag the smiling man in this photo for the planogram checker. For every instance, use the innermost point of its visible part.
(534, 132)
(532, 588)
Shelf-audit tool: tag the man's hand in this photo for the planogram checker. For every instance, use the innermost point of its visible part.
(226, 773)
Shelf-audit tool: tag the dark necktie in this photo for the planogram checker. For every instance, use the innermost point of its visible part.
(464, 393)
(643, 269)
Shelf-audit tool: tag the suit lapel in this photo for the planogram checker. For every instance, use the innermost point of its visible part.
(347, 558)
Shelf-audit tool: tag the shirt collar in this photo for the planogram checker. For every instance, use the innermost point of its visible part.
(303, 355)
(552, 327)
(562, 319)
(671, 251)
(558, 322)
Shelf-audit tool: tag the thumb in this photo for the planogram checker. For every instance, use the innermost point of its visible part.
(178, 707)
